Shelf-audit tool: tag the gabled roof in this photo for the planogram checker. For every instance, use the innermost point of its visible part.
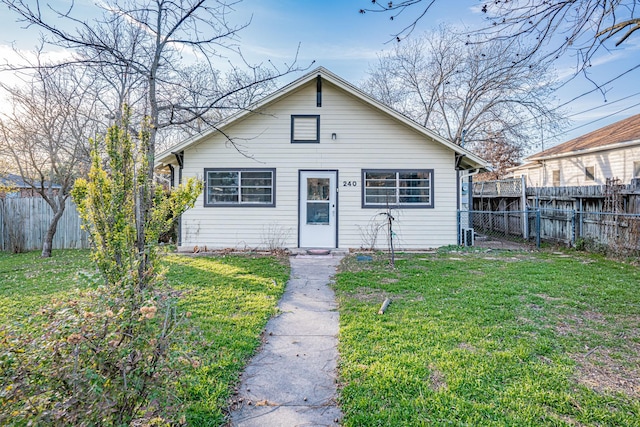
(467, 158)
(15, 181)
(619, 134)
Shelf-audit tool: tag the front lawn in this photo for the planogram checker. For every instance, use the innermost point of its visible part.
(229, 299)
(490, 338)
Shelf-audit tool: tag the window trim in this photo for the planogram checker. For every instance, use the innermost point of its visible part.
(240, 204)
(587, 173)
(636, 169)
(555, 182)
(366, 205)
(305, 141)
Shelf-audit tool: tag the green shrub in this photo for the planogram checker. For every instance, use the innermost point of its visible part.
(102, 358)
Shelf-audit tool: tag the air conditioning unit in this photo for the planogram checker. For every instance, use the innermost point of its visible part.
(466, 236)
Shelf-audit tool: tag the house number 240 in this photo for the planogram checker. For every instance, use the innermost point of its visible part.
(349, 183)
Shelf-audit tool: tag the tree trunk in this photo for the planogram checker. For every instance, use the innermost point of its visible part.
(47, 245)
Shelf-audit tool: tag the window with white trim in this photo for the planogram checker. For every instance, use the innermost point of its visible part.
(240, 187)
(589, 173)
(409, 188)
(305, 128)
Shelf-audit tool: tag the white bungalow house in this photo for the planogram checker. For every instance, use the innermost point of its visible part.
(609, 152)
(320, 164)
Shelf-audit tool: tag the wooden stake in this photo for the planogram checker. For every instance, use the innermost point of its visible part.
(385, 304)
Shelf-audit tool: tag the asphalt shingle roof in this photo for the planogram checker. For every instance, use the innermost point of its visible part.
(626, 130)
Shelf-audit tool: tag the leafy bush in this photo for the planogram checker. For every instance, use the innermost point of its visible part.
(102, 358)
(95, 360)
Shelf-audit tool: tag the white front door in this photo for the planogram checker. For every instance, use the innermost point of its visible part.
(318, 210)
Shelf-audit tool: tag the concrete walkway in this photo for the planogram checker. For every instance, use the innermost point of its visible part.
(292, 380)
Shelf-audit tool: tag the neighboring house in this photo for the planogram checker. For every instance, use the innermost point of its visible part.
(12, 185)
(610, 152)
(318, 164)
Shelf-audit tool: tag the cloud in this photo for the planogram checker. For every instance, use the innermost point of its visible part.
(21, 58)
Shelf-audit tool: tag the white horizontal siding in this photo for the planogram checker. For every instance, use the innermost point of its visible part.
(616, 163)
(365, 139)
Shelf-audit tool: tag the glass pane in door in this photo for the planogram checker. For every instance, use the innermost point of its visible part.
(318, 194)
(318, 188)
(317, 213)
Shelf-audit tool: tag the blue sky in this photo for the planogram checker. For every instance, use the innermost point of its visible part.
(334, 35)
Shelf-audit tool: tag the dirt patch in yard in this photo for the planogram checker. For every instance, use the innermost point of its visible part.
(364, 261)
(599, 371)
(466, 346)
(436, 379)
(586, 322)
(548, 298)
(493, 243)
(614, 364)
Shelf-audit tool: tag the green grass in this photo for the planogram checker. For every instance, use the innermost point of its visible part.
(229, 298)
(27, 281)
(490, 338)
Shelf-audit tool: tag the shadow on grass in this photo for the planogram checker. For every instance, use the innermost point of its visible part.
(230, 299)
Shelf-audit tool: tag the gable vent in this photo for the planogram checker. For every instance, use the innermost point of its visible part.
(305, 129)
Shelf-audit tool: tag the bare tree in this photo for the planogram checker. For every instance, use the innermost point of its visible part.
(555, 27)
(201, 84)
(472, 94)
(501, 155)
(583, 26)
(149, 40)
(46, 135)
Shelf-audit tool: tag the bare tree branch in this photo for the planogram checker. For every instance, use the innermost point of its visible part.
(46, 136)
(137, 48)
(555, 28)
(472, 94)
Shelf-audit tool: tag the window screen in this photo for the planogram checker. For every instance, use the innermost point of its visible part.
(228, 187)
(408, 188)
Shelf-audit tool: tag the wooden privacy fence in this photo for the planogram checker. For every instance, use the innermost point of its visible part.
(24, 223)
(513, 195)
(605, 214)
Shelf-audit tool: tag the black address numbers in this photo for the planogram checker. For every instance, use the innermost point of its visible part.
(349, 183)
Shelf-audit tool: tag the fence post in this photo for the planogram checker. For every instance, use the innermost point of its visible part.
(573, 228)
(539, 227)
(2, 215)
(525, 223)
(580, 222)
(523, 206)
(459, 225)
